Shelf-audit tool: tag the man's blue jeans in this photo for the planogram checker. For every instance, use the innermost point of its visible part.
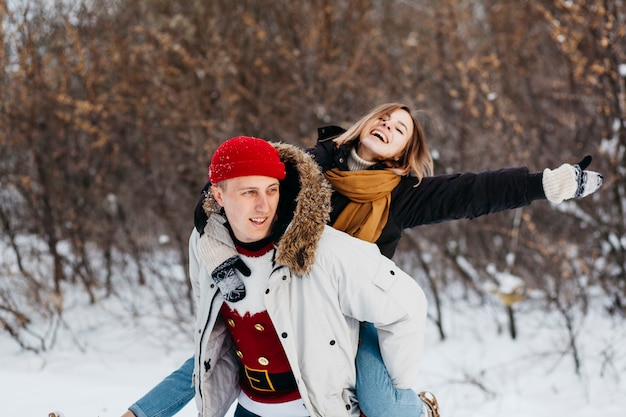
(242, 412)
(376, 395)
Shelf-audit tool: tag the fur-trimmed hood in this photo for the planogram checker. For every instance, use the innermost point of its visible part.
(303, 209)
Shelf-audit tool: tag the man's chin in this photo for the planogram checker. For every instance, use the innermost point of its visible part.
(259, 235)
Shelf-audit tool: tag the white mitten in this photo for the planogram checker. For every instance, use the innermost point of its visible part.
(570, 181)
(222, 259)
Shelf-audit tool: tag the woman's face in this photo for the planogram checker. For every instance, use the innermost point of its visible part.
(386, 137)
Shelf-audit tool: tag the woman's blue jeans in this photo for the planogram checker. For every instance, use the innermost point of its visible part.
(169, 396)
(376, 395)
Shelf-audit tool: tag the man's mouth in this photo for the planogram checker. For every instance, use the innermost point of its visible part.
(257, 220)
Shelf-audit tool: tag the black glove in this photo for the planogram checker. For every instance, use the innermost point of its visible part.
(570, 181)
(227, 280)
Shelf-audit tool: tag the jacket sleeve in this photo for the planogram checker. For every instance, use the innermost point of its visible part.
(373, 288)
(401, 338)
(468, 195)
(325, 152)
(194, 266)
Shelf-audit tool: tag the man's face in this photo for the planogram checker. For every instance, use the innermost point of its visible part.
(250, 205)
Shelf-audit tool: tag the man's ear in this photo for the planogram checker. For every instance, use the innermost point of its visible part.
(217, 194)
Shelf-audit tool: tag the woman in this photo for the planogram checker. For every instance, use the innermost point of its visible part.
(360, 163)
(381, 173)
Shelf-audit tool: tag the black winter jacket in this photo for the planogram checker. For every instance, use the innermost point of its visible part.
(437, 198)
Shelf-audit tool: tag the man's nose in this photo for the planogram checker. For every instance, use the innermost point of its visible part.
(262, 204)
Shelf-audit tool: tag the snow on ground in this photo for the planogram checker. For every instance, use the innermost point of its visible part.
(102, 361)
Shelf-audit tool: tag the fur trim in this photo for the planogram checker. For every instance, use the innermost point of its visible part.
(210, 206)
(296, 247)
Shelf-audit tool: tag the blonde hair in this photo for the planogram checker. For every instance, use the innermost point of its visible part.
(414, 159)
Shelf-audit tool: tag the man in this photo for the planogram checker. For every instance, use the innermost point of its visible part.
(280, 294)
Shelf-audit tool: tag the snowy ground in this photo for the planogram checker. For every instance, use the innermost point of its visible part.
(101, 363)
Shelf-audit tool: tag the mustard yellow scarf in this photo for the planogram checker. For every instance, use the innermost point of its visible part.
(370, 199)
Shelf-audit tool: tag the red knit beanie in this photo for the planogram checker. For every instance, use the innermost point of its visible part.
(242, 156)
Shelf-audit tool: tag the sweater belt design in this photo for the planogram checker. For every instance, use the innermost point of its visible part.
(263, 381)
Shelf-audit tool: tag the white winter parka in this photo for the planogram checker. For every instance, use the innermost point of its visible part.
(323, 283)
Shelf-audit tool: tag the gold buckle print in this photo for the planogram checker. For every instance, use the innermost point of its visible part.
(259, 379)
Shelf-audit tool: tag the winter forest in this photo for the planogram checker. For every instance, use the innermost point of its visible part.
(111, 109)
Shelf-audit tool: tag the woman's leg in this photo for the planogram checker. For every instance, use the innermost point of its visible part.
(169, 396)
(376, 395)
